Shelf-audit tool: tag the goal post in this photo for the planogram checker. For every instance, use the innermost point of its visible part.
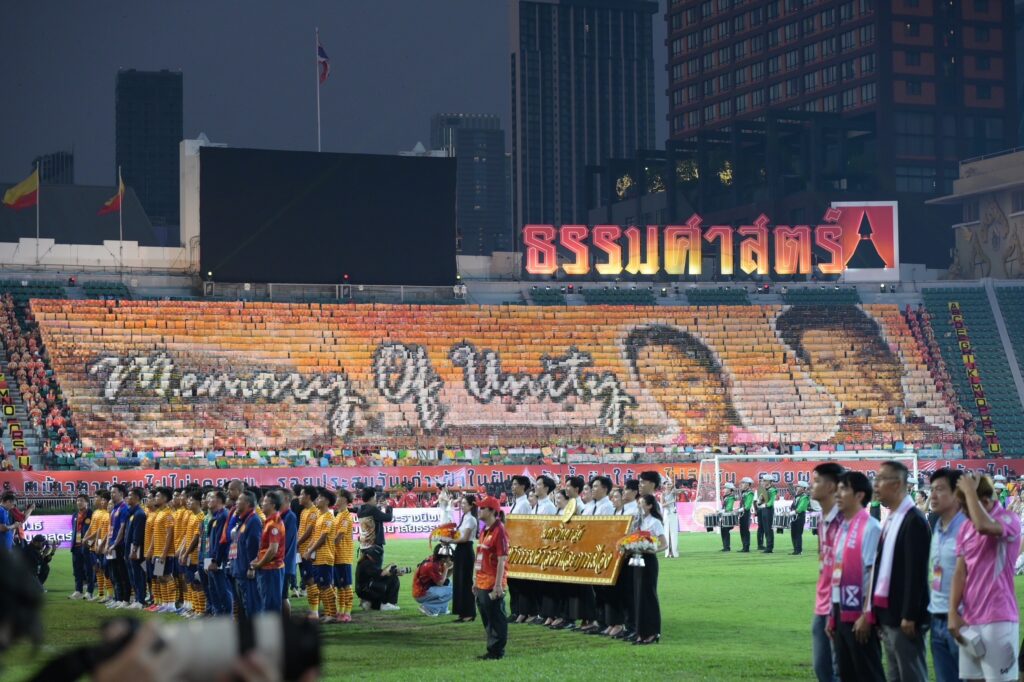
(712, 471)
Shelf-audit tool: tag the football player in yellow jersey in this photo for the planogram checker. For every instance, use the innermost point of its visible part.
(180, 514)
(307, 522)
(163, 553)
(149, 543)
(321, 554)
(188, 558)
(96, 540)
(344, 551)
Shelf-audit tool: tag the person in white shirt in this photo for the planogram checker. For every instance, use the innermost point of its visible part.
(544, 487)
(463, 600)
(521, 607)
(668, 511)
(600, 486)
(648, 610)
(444, 503)
(629, 494)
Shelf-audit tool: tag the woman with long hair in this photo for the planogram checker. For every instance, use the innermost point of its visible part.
(645, 578)
(463, 601)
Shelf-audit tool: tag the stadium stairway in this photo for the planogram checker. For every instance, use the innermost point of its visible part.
(990, 358)
(21, 414)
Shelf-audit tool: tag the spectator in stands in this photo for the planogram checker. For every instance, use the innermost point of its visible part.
(679, 372)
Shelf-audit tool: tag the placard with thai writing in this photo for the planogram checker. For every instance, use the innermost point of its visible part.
(581, 550)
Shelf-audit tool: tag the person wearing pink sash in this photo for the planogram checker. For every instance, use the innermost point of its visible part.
(900, 591)
(823, 490)
(851, 626)
(983, 615)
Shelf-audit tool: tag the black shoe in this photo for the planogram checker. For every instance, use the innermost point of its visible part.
(536, 621)
(490, 657)
(745, 550)
(795, 553)
(768, 551)
(512, 618)
(726, 549)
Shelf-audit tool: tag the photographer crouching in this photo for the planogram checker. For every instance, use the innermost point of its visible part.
(376, 584)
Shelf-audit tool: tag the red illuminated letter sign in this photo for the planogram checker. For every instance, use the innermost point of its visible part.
(829, 239)
(724, 234)
(606, 238)
(539, 242)
(754, 252)
(635, 266)
(572, 238)
(682, 244)
(793, 250)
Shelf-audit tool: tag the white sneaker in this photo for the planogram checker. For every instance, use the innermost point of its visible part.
(120, 605)
(167, 608)
(364, 605)
(136, 606)
(424, 611)
(390, 607)
(75, 595)
(89, 597)
(111, 605)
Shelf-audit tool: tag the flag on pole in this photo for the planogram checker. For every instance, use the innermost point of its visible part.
(113, 204)
(323, 61)
(24, 194)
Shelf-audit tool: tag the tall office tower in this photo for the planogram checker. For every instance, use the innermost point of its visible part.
(56, 168)
(582, 76)
(478, 144)
(149, 127)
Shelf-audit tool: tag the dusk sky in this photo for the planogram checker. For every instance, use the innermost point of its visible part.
(249, 72)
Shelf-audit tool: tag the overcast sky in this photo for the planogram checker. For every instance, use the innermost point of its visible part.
(250, 74)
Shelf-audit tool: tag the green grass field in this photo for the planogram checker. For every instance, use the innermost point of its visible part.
(725, 617)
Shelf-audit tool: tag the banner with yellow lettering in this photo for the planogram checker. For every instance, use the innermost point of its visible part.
(575, 550)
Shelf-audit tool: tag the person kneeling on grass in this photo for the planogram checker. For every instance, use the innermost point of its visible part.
(376, 584)
(430, 586)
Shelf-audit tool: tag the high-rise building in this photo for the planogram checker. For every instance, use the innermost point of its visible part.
(56, 168)
(149, 126)
(582, 92)
(924, 82)
(478, 144)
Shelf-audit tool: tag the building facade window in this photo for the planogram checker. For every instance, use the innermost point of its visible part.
(1017, 201)
(915, 179)
(913, 89)
(913, 58)
(971, 211)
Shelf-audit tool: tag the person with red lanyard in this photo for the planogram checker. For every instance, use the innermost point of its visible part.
(269, 565)
(491, 581)
(823, 491)
(851, 626)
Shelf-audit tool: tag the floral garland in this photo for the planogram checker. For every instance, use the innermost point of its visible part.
(638, 543)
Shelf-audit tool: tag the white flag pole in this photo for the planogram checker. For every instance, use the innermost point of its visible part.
(316, 64)
(39, 196)
(120, 219)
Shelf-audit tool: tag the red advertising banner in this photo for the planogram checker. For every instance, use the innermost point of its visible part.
(470, 476)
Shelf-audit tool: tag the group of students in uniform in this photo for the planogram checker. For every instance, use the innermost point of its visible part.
(627, 611)
(746, 503)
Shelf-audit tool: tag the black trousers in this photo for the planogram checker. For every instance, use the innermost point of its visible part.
(495, 620)
(745, 530)
(463, 601)
(119, 576)
(726, 537)
(645, 597)
(582, 603)
(616, 599)
(857, 662)
(796, 531)
(380, 591)
(765, 532)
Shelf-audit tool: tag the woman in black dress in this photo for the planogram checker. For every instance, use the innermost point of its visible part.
(463, 601)
(645, 578)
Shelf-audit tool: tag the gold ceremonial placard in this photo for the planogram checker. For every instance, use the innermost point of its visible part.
(581, 549)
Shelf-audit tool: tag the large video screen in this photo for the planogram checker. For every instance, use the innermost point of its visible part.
(303, 217)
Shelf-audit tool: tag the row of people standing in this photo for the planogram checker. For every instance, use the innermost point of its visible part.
(884, 587)
(742, 503)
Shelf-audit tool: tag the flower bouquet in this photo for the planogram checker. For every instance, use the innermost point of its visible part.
(636, 545)
(446, 531)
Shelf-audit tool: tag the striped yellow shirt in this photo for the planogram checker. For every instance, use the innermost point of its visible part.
(100, 527)
(150, 533)
(164, 522)
(194, 524)
(344, 550)
(181, 519)
(307, 518)
(324, 528)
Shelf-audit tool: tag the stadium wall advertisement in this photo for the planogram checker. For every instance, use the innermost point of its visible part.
(242, 376)
(862, 236)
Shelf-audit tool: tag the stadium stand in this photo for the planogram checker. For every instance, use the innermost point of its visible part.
(821, 296)
(617, 296)
(190, 382)
(708, 297)
(547, 296)
(106, 290)
(994, 371)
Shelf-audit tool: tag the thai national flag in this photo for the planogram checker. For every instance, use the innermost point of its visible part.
(323, 61)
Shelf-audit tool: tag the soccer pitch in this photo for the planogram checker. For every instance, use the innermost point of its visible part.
(725, 616)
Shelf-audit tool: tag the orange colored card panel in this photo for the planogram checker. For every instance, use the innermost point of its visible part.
(580, 550)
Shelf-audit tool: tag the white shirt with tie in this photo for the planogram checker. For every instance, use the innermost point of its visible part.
(603, 507)
(545, 507)
(521, 506)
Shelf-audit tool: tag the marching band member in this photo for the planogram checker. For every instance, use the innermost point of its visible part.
(746, 504)
(800, 506)
(727, 506)
(766, 514)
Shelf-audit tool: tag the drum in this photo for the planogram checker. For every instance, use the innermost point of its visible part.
(782, 520)
(730, 519)
(711, 521)
(813, 520)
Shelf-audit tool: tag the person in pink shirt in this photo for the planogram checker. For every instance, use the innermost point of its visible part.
(983, 615)
(823, 490)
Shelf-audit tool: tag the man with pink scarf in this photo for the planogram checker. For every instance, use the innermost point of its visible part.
(851, 625)
(900, 589)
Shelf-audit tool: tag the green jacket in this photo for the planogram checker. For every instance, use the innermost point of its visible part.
(802, 503)
(728, 503)
(748, 500)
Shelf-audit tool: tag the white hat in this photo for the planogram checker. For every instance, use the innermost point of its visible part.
(730, 486)
(802, 484)
(999, 478)
(746, 479)
(1000, 486)
(767, 477)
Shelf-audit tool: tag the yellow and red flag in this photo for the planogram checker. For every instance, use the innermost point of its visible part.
(113, 203)
(25, 194)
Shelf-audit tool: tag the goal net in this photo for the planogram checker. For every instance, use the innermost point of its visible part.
(786, 470)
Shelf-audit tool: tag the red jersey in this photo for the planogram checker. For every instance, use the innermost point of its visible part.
(273, 531)
(427, 575)
(491, 546)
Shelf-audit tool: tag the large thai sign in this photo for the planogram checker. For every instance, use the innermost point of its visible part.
(239, 376)
(575, 550)
(852, 237)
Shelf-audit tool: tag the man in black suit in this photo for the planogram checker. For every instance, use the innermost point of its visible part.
(900, 584)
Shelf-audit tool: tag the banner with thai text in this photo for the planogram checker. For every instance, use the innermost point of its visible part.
(576, 550)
